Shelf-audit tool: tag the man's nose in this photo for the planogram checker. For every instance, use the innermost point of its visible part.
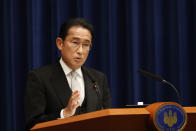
(80, 49)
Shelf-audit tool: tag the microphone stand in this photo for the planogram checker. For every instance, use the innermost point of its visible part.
(173, 87)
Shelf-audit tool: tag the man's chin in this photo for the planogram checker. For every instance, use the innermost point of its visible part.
(77, 66)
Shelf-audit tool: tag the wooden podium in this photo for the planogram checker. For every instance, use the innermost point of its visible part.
(125, 119)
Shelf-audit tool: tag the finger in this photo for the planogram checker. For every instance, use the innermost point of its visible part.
(76, 92)
(75, 100)
(75, 95)
(75, 105)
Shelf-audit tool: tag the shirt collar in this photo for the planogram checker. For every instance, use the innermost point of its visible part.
(67, 69)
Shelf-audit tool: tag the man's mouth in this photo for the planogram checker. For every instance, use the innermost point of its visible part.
(78, 59)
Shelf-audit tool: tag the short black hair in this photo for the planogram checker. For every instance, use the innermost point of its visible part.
(75, 22)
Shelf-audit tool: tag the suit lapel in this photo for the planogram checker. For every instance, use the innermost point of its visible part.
(90, 93)
(61, 85)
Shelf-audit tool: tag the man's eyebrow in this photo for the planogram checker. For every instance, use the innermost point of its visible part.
(76, 38)
(87, 41)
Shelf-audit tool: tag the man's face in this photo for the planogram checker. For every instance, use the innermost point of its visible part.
(75, 47)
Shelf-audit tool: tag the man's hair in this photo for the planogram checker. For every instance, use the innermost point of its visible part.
(75, 22)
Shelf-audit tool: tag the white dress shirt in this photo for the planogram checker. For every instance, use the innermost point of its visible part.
(67, 71)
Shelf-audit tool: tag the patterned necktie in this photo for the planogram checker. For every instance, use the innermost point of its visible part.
(75, 85)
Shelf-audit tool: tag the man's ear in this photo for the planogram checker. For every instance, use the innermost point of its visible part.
(59, 43)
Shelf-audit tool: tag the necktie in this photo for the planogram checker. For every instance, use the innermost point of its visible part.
(75, 85)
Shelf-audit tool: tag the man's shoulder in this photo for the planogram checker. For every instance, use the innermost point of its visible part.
(93, 71)
(45, 70)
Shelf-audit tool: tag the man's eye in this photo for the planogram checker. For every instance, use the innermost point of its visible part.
(75, 42)
(86, 44)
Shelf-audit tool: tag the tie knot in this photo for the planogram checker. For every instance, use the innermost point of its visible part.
(73, 74)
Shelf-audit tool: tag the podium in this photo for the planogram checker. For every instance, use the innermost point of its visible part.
(123, 119)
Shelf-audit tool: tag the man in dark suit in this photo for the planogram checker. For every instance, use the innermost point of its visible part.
(66, 88)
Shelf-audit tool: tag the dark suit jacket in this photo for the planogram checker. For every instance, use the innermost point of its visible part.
(48, 92)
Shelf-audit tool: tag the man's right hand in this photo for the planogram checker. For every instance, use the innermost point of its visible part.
(72, 104)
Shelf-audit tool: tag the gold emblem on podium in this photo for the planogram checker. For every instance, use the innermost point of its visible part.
(170, 118)
(167, 116)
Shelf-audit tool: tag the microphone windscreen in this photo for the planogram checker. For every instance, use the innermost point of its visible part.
(147, 74)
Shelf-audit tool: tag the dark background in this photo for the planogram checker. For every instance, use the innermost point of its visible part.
(156, 35)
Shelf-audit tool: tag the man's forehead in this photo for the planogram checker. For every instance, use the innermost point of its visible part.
(78, 32)
(78, 29)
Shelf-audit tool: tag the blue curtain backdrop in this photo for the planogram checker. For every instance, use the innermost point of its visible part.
(156, 35)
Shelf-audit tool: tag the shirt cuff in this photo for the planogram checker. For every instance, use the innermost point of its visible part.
(61, 114)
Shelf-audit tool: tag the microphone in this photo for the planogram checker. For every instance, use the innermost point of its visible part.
(147, 74)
